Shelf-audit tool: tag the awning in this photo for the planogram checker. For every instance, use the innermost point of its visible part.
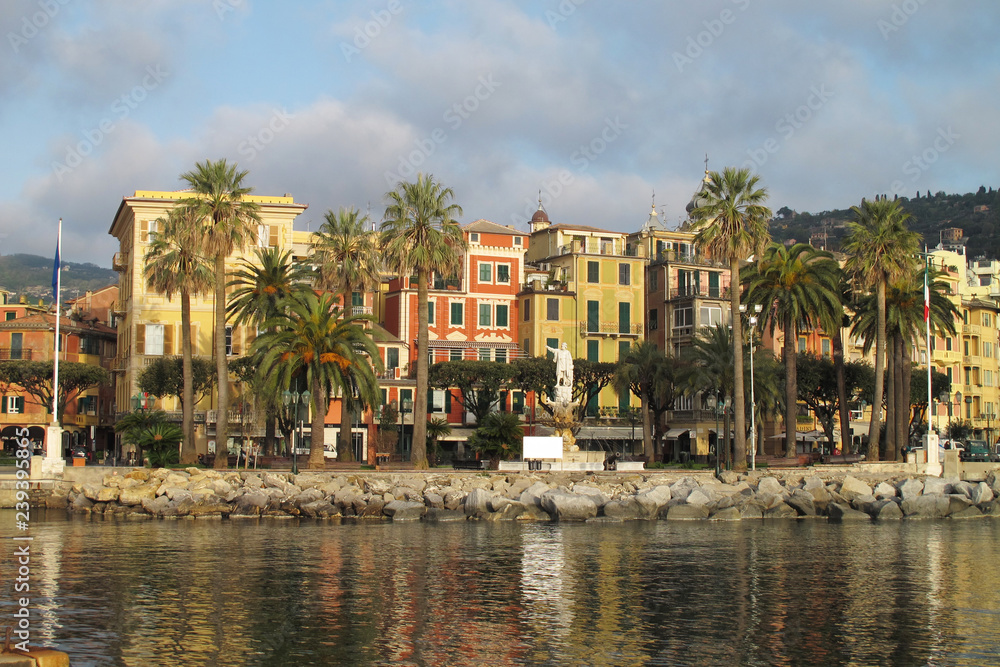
(457, 435)
(677, 432)
(469, 345)
(609, 433)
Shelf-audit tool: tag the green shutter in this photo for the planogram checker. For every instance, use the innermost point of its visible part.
(624, 317)
(554, 344)
(593, 315)
(593, 350)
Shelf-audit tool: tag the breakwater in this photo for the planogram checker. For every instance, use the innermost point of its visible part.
(498, 496)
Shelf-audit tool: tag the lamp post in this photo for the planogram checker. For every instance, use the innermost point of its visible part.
(944, 399)
(713, 403)
(753, 403)
(405, 405)
(141, 403)
(294, 398)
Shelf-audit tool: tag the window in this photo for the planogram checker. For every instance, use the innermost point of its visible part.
(517, 240)
(90, 345)
(485, 272)
(552, 309)
(802, 344)
(966, 344)
(948, 373)
(709, 316)
(87, 405)
(457, 314)
(146, 227)
(455, 355)
(593, 272)
(683, 317)
(9, 315)
(988, 378)
(526, 346)
(554, 344)
(485, 315)
(623, 348)
(391, 358)
(654, 279)
(593, 350)
(430, 312)
(593, 316)
(526, 309)
(947, 344)
(484, 354)
(654, 319)
(16, 345)
(438, 400)
(624, 274)
(154, 339)
(986, 319)
(501, 356)
(503, 273)
(12, 405)
(826, 347)
(473, 237)
(230, 349)
(502, 312)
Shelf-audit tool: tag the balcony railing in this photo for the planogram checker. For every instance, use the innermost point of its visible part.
(361, 310)
(590, 328)
(677, 257)
(543, 286)
(15, 354)
(702, 291)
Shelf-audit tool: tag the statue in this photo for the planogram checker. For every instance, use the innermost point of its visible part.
(564, 373)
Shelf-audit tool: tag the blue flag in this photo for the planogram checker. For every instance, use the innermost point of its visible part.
(55, 274)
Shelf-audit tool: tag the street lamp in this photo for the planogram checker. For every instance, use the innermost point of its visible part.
(294, 398)
(405, 405)
(944, 399)
(968, 408)
(753, 403)
(141, 403)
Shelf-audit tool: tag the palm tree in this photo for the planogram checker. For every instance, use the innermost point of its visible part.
(346, 249)
(420, 236)
(731, 223)
(228, 221)
(312, 341)
(798, 289)
(262, 290)
(499, 437)
(173, 264)
(638, 372)
(880, 251)
(437, 428)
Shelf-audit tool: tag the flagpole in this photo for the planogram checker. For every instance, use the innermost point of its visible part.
(931, 447)
(57, 287)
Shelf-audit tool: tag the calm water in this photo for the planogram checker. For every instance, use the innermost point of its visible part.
(289, 592)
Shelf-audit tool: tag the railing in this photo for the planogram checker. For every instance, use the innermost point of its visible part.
(677, 257)
(15, 354)
(543, 286)
(235, 417)
(973, 329)
(702, 291)
(361, 310)
(588, 328)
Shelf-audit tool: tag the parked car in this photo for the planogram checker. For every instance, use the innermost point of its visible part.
(79, 452)
(978, 450)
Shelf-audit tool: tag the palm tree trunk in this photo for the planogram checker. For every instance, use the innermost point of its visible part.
(903, 397)
(418, 454)
(845, 413)
(189, 453)
(890, 399)
(740, 465)
(876, 423)
(647, 429)
(221, 366)
(791, 385)
(345, 441)
(317, 430)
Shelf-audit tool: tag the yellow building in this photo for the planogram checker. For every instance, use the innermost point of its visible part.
(149, 323)
(592, 298)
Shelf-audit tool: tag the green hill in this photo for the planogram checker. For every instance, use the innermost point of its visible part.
(930, 214)
(31, 276)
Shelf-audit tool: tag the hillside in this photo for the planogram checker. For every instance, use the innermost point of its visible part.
(31, 276)
(930, 214)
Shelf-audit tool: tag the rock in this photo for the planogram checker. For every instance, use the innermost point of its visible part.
(933, 506)
(681, 488)
(453, 500)
(981, 493)
(208, 506)
(252, 481)
(821, 498)
(884, 490)
(970, 512)
(319, 509)
(885, 510)
(770, 486)
(852, 487)
(592, 492)
(628, 508)
(993, 481)
(433, 500)
(497, 503)
(477, 502)
(728, 514)
(728, 477)
(374, 509)
(533, 494)
(437, 514)
(963, 487)
(935, 486)
(991, 508)
(136, 494)
(56, 502)
(910, 488)
(839, 512)
(653, 499)
(81, 503)
(159, 506)
(781, 511)
(752, 510)
(251, 504)
(698, 497)
(376, 486)
(565, 506)
(141, 474)
(686, 512)
(811, 483)
(310, 495)
(957, 502)
(403, 510)
(802, 502)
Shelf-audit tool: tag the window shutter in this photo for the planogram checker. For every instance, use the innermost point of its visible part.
(272, 239)
(168, 339)
(140, 339)
(237, 334)
(194, 339)
(447, 402)
(3, 404)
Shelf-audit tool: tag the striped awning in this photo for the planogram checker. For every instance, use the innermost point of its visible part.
(677, 432)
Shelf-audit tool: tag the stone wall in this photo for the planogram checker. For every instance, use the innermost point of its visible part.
(836, 494)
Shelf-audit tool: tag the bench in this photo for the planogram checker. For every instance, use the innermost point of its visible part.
(843, 458)
(466, 464)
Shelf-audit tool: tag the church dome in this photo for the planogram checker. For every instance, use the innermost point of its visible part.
(698, 200)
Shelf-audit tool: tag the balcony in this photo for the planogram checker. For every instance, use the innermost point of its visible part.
(360, 310)
(971, 329)
(699, 291)
(118, 262)
(676, 257)
(588, 328)
(544, 286)
(15, 354)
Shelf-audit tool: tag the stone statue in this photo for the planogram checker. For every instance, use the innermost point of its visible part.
(564, 373)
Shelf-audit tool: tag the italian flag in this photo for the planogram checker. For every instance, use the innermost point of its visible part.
(927, 298)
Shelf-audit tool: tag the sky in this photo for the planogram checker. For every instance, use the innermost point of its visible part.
(591, 105)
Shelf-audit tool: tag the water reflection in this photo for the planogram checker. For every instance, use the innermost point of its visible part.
(272, 592)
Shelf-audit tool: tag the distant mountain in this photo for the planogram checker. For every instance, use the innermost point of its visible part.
(977, 214)
(31, 276)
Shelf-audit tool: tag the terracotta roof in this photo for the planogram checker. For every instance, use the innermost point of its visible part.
(582, 228)
(48, 321)
(488, 227)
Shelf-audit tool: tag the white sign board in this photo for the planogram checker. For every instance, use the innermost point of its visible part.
(538, 447)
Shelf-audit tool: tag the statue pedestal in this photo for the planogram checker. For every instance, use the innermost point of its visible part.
(581, 461)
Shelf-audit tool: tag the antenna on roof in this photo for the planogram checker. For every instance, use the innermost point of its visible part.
(706, 163)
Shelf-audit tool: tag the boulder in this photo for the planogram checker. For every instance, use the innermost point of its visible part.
(852, 487)
(252, 481)
(884, 510)
(159, 506)
(320, 509)
(910, 488)
(821, 497)
(685, 512)
(629, 508)
(251, 504)
(935, 486)
(654, 498)
(752, 510)
(533, 494)
(566, 506)
(81, 503)
(477, 502)
(309, 496)
(934, 506)
(402, 510)
(993, 481)
(770, 486)
(728, 514)
(970, 512)
(592, 492)
(811, 483)
(208, 506)
(433, 500)
(437, 514)
(373, 509)
(728, 477)
(981, 493)
(136, 494)
(963, 487)
(957, 502)
(454, 500)
(781, 511)
(884, 490)
(698, 497)
(839, 512)
(802, 502)
(992, 508)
